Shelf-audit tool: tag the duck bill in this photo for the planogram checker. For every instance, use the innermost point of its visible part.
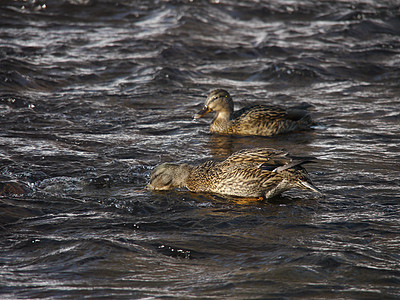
(202, 113)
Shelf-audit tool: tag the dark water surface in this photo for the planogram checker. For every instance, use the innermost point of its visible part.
(94, 94)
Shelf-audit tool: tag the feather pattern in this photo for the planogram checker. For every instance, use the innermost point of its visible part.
(246, 173)
(264, 120)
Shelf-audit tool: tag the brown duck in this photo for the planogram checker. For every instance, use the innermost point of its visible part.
(264, 120)
(253, 173)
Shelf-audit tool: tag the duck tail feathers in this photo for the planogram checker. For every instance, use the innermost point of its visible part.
(290, 165)
(309, 186)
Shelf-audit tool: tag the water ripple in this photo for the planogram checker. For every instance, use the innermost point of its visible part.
(94, 94)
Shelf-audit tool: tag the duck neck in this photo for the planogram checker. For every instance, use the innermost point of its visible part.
(221, 122)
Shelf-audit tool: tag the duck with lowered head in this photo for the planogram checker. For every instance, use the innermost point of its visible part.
(263, 120)
(253, 173)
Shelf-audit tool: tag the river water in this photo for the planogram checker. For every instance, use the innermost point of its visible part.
(94, 94)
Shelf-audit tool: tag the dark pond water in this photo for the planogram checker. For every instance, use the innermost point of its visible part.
(94, 94)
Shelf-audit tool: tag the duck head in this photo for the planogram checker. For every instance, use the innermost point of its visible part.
(168, 176)
(219, 101)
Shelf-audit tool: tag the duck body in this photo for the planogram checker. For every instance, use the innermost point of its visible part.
(262, 120)
(256, 173)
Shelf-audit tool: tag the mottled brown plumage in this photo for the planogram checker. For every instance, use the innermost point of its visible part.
(261, 172)
(264, 120)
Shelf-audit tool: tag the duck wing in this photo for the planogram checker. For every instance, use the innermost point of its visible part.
(244, 180)
(269, 120)
(267, 159)
(260, 172)
(259, 113)
(258, 157)
(294, 164)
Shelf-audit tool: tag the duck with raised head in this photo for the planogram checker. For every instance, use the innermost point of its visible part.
(263, 120)
(254, 173)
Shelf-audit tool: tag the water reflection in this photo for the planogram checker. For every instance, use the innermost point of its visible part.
(221, 146)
